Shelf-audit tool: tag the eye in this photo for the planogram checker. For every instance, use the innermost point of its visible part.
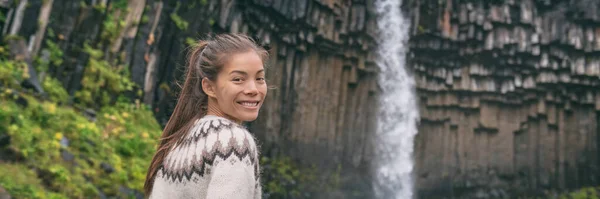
(260, 79)
(237, 79)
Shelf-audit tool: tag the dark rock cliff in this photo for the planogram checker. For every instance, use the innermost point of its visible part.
(509, 97)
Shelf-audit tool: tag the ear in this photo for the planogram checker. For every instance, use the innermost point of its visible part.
(208, 87)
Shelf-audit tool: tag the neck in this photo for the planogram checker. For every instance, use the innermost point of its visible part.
(213, 109)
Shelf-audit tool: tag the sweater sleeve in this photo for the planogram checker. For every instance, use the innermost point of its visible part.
(258, 190)
(233, 174)
(258, 187)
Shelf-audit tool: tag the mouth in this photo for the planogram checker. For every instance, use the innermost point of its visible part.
(251, 104)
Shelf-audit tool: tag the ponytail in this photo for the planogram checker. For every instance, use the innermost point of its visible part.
(191, 105)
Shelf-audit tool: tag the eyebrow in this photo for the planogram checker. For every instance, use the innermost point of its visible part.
(245, 73)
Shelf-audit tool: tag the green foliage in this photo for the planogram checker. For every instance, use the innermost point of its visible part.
(22, 182)
(584, 193)
(193, 4)
(12, 72)
(145, 19)
(119, 4)
(123, 136)
(181, 23)
(191, 42)
(421, 29)
(114, 23)
(285, 179)
(36, 132)
(13, 37)
(102, 80)
(55, 90)
(112, 27)
(2, 16)
(82, 4)
(55, 55)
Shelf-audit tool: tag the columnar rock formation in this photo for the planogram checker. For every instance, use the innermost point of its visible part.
(321, 109)
(509, 96)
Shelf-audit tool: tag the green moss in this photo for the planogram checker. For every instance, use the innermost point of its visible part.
(2, 16)
(56, 54)
(54, 60)
(179, 22)
(12, 72)
(50, 33)
(22, 182)
(55, 90)
(119, 4)
(111, 28)
(82, 4)
(421, 29)
(123, 136)
(191, 41)
(144, 19)
(285, 179)
(101, 80)
(13, 37)
(583, 193)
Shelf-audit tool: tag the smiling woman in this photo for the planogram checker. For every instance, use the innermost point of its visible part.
(204, 151)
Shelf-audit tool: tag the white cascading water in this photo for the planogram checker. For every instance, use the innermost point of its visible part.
(399, 114)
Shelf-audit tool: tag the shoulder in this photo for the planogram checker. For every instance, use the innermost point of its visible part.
(219, 134)
(211, 126)
(210, 140)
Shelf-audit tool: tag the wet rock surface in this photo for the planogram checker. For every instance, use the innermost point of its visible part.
(509, 96)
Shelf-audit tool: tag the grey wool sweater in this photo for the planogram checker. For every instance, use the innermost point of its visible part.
(217, 159)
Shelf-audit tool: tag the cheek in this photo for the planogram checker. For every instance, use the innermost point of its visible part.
(228, 92)
(263, 89)
(222, 92)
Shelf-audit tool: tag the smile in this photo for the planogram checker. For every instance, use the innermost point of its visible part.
(249, 104)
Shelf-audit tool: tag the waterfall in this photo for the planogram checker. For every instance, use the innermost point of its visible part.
(399, 114)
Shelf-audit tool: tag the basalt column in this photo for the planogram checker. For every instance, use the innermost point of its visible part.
(509, 97)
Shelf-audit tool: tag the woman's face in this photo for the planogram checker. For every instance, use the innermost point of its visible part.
(240, 88)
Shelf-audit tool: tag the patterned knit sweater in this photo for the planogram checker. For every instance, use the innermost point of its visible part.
(218, 159)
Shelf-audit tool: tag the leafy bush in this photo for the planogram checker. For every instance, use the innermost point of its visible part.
(584, 193)
(101, 80)
(283, 178)
(12, 73)
(55, 90)
(74, 156)
(22, 182)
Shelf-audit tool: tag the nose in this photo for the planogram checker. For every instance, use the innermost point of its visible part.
(251, 88)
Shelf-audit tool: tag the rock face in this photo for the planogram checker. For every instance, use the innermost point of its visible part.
(4, 194)
(509, 96)
(321, 109)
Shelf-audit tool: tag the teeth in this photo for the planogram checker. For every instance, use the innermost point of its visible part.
(249, 103)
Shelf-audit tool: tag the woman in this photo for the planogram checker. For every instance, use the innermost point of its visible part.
(204, 150)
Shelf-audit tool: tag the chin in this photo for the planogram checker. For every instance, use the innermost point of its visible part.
(249, 117)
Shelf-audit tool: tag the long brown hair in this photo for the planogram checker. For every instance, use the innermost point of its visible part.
(205, 60)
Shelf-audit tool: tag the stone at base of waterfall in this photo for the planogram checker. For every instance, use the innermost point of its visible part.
(4, 194)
